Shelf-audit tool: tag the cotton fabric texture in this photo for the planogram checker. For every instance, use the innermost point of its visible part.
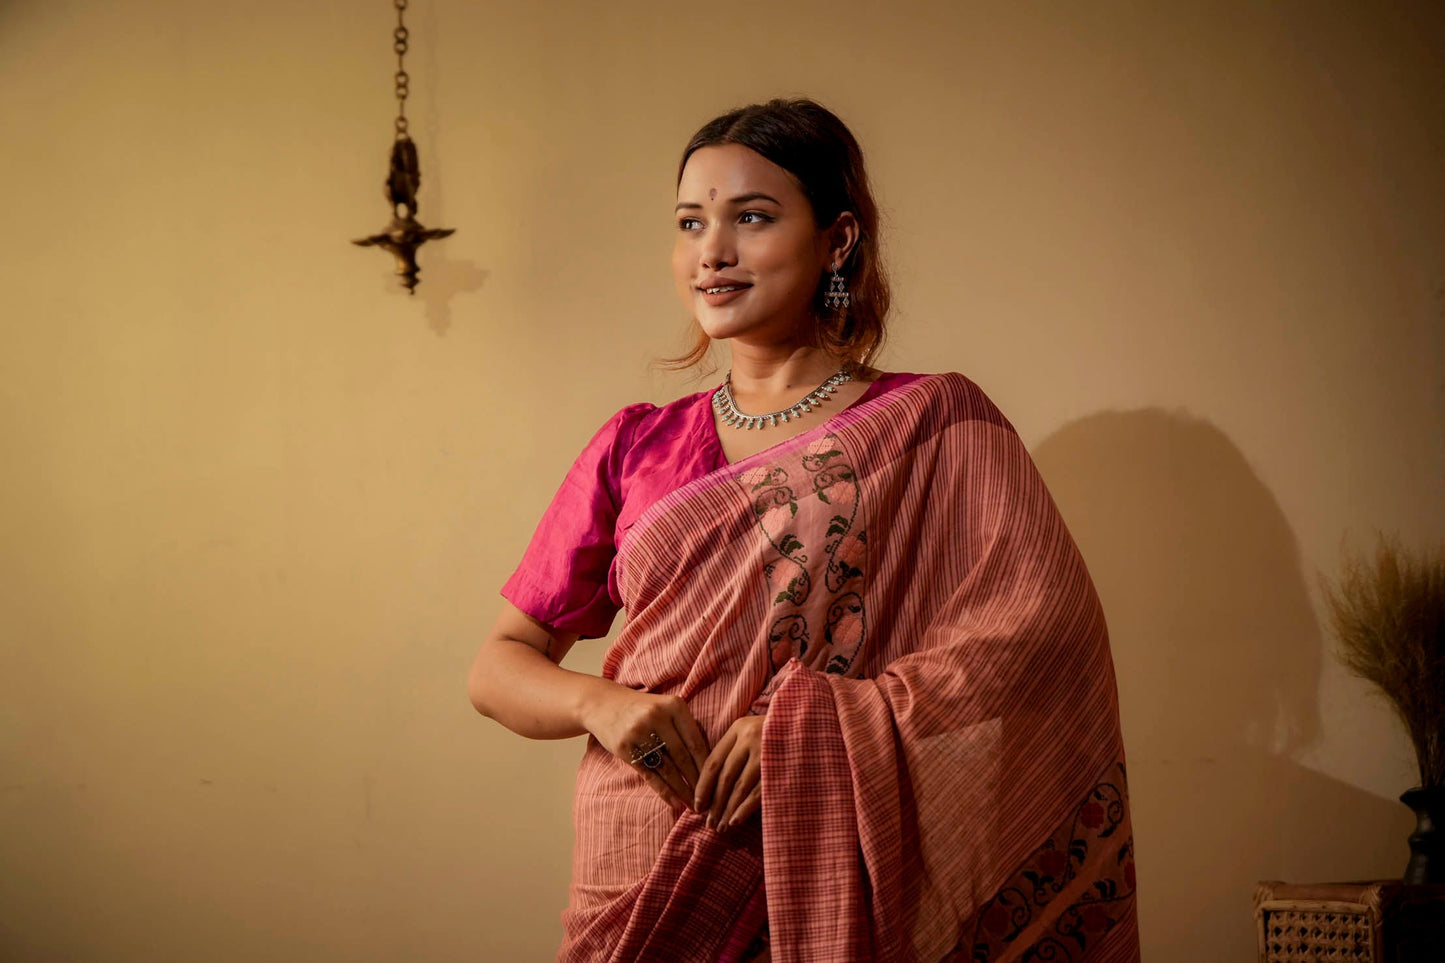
(942, 770)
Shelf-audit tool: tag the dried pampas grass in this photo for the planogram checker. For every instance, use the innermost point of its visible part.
(1389, 617)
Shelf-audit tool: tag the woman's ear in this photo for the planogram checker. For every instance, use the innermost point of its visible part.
(842, 237)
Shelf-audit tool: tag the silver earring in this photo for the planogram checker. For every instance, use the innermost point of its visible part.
(837, 296)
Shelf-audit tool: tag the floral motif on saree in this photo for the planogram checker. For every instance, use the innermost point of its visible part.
(822, 474)
(1052, 870)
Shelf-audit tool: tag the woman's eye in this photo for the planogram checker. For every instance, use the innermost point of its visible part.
(688, 224)
(758, 217)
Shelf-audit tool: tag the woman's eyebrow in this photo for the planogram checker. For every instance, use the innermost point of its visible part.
(740, 199)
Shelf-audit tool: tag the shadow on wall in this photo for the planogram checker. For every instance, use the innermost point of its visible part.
(1218, 656)
(442, 279)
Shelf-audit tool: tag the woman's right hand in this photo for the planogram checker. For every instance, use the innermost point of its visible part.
(623, 719)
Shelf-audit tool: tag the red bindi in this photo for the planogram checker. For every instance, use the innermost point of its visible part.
(712, 194)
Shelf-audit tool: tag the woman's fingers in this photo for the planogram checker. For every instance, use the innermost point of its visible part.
(732, 767)
(694, 743)
(746, 808)
(707, 776)
(664, 776)
(676, 761)
(663, 789)
(746, 782)
(679, 756)
(666, 779)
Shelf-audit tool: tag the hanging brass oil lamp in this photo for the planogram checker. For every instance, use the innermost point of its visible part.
(405, 234)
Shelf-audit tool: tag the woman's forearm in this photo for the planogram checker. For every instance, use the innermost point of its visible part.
(530, 694)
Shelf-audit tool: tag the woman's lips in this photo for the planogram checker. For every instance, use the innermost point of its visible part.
(723, 297)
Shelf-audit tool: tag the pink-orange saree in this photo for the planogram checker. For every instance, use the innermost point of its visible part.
(942, 770)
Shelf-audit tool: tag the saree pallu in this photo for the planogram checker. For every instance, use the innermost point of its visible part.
(942, 769)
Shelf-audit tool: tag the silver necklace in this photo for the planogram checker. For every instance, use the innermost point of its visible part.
(727, 409)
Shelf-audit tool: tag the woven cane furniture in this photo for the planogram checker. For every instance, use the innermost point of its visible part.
(1365, 922)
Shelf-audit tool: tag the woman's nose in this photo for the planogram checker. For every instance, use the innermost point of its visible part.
(718, 250)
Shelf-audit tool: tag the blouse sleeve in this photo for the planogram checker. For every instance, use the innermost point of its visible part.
(562, 580)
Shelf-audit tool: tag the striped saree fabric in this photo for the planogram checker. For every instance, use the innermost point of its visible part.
(942, 770)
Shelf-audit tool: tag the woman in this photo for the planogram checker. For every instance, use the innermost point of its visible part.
(863, 705)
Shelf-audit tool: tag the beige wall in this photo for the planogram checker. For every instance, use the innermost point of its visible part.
(258, 503)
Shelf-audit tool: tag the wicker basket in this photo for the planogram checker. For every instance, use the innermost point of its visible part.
(1368, 922)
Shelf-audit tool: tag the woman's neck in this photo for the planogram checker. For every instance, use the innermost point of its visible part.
(768, 373)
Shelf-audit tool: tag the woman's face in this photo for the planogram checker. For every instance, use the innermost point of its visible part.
(744, 224)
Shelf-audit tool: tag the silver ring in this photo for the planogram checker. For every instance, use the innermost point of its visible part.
(650, 756)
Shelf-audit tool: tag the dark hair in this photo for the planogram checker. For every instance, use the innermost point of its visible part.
(809, 142)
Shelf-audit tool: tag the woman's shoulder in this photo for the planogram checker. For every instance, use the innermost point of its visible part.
(645, 415)
(644, 420)
(968, 400)
(939, 382)
(953, 381)
(955, 393)
(620, 424)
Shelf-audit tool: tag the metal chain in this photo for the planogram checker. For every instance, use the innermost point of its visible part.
(399, 37)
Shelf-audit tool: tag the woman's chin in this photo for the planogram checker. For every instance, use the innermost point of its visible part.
(719, 327)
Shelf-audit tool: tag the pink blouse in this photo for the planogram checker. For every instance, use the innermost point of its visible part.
(568, 575)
